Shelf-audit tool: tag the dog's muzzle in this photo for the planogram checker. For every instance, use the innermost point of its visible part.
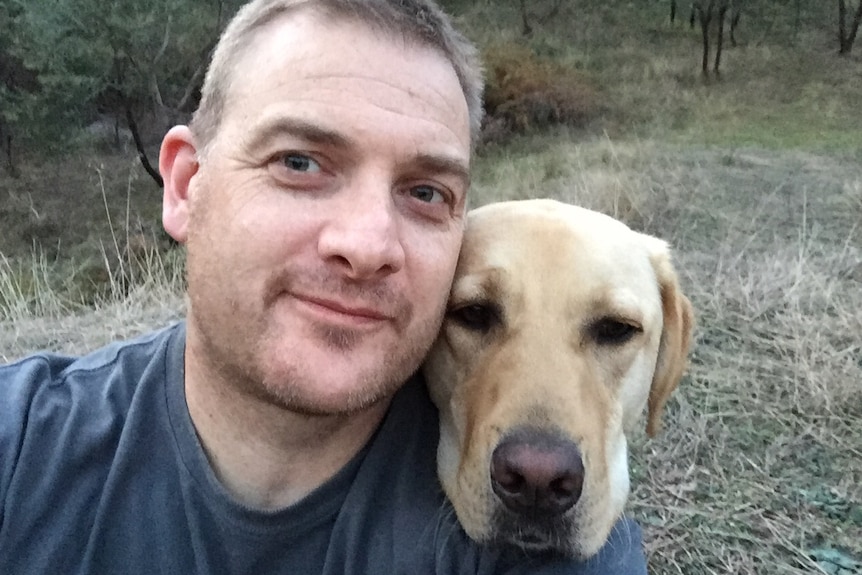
(538, 476)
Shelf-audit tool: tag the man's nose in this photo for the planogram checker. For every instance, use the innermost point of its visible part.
(363, 236)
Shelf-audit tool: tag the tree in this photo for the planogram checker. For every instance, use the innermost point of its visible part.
(127, 59)
(846, 36)
(526, 16)
(704, 11)
(13, 77)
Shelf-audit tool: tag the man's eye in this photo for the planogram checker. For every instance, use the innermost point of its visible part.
(300, 163)
(427, 194)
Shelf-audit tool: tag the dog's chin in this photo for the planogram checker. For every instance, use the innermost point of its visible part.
(537, 534)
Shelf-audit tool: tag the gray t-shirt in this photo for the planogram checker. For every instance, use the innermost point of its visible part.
(101, 472)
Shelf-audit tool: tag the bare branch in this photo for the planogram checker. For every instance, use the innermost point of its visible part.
(139, 145)
(165, 42)
(189, 90)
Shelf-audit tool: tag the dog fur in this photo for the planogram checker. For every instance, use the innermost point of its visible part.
(563, 324)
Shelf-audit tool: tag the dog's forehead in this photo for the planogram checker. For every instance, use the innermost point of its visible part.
(513, 235)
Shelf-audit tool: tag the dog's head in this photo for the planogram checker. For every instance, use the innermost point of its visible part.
(563, 325)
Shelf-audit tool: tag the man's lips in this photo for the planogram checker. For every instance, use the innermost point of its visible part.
(336, 308)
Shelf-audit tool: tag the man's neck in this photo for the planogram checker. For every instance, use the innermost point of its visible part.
(267, 456)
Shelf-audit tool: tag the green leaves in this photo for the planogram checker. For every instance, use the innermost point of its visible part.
(92, 57)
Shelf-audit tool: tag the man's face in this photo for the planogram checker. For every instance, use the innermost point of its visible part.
(325, 221)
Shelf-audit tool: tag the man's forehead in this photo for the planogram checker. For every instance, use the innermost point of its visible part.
(302, 49)
(307, 38)
(316, 20)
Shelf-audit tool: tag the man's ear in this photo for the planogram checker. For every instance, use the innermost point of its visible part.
(178, 163)
(675, 338)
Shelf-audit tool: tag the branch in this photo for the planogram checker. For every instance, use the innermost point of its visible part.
(526, 28)
(155, 91)
(165, 43)
(139, 145)
(842, 34)
(190, 86)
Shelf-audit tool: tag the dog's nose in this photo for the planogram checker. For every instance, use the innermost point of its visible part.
(537, 473)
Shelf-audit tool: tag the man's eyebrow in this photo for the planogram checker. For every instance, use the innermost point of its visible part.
(297, 128)
(315, 134)
(440, 164)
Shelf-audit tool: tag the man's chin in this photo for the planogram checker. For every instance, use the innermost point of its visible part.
(327, 398)
(336, 371)
(314, 407)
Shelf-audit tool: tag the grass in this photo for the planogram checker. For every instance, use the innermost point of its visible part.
(49, 302)
(780, 88)
(755, 180)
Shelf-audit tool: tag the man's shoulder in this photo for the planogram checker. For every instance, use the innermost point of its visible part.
(45, 371)
(51, 392)
(49, 368)
(86, 435)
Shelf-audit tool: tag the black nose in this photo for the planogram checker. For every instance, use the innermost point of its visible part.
(536, 472)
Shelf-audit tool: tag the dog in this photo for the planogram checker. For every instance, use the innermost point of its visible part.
(562, 326)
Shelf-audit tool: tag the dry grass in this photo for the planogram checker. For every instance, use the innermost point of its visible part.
(778, 88)
(37, 311)
(72, 306)
(76, 332)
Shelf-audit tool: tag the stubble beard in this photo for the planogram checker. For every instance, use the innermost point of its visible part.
(290, 385)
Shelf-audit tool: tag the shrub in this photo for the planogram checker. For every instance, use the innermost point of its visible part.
(525, 91)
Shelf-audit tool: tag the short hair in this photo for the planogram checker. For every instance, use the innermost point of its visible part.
(421, 21)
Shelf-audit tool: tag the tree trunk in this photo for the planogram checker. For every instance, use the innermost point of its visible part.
(842, 27)
(672, 11)
(10, 161)
(734, 22)
(705, 17)
(139, 145)
(797, 20)
(854, 27)
(719, 42)
(526, 29)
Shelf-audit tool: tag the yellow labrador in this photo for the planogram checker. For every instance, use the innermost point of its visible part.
(563, 325)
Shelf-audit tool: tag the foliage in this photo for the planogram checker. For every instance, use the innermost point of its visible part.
(525, 91)
(94, 58)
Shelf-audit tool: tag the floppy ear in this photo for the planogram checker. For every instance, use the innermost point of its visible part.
(675, 338)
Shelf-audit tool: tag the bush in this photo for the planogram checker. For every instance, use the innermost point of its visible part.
(525, 91)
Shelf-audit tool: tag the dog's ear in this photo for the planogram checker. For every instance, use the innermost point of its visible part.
(675, 337)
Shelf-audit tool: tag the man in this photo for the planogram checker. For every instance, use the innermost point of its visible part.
(320, 191)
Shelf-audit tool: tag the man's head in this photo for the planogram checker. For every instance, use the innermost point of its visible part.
(416, 21)
(324, 221)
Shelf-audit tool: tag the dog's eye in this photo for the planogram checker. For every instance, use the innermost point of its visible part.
(611, 331)
(476, 316)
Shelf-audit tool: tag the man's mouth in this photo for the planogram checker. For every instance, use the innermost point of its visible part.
(341, 312)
